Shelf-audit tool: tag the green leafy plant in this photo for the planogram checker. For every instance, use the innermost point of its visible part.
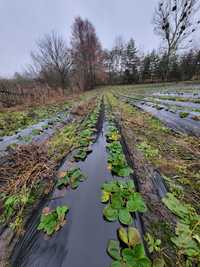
(14, 204)
(82, 153)
(121, 200)
(86, 137)
(113, 134)
(187, 238)
(153, 244)
(148, 150)
(184, 114)
(132, 254)
(72, 178)
(14, 208)
(117, 161)
(37, 131)
(52, 221)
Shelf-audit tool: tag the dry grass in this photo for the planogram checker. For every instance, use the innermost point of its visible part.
(24, 167)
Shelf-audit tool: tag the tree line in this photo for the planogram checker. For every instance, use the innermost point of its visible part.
(83, 63)
(126, 65)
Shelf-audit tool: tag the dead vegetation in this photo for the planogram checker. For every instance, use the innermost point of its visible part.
(26, 174)
(84, 107)
(30, 93)
(23, 167)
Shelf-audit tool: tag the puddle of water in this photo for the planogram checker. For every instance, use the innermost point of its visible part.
(83, 240)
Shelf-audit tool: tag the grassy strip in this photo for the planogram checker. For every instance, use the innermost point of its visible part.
(63, 141)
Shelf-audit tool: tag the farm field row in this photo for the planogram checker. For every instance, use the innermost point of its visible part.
(181, 114)
(111, 186)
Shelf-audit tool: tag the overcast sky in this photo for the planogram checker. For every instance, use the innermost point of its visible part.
(22, 22)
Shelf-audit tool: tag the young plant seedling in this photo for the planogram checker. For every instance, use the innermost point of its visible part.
(52, 220)
(132, 253)
(121, 200)
(187, 237)
(72, 178)
(184, 114)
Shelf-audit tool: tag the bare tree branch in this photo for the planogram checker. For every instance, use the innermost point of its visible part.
(52, 60)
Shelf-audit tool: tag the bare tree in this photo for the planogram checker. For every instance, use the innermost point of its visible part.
(86, 53)
(174, 21)
(52, 60)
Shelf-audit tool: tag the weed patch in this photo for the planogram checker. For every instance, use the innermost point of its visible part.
(148, 150)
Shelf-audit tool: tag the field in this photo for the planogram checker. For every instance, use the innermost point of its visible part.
(109, 177)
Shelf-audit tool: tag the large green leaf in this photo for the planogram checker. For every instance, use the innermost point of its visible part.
(136, 256)
(74, 183)
(139, 251)
(110, 187)
(52, 221)
(114, 249)
(133, 236)
(123, 236)
(64, 181)
(125, 171)
(185, 241)
(110, 213)
(176, 206)
(128, 255)
(125, 217)
(130, 184)
(136, 203)
(61, 211)
(116, 201)
(81, 154)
